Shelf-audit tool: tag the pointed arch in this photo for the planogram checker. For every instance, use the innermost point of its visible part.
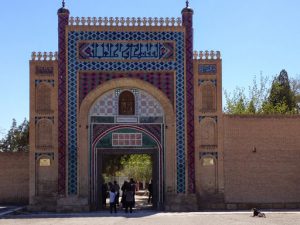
(169, 123)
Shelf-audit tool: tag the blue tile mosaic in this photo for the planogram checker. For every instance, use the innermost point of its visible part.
(207, 69)
(74, 66)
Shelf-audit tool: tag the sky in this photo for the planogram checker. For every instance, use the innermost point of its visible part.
(254, 37)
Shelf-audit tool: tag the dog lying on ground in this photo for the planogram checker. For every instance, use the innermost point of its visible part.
(257, 213)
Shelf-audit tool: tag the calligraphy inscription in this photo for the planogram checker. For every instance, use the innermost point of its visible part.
(207, 69)
(104, 51)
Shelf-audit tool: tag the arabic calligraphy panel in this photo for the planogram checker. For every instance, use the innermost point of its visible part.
(131, 51)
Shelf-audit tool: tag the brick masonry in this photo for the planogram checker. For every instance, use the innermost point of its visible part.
(261, 159)
(14, 177)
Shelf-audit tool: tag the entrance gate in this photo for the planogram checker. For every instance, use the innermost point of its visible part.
(104, 145)
(155, 172)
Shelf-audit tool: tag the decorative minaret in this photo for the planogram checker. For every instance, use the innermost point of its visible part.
(63, 18)
(187, 20)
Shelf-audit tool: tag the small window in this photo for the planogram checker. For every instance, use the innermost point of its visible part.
(126, 103)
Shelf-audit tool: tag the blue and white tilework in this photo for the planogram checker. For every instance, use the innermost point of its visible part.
(75, 65)
(106, 105)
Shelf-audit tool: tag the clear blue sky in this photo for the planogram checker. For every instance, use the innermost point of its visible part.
(253, 36)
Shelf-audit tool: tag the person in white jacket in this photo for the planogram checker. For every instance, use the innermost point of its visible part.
(112, 200)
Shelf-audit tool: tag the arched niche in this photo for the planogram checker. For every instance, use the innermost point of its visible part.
(208, 174)
(126, 103)
(208, 132)
(46, 181)
(44, 133)
(208, 97)
(43, 98)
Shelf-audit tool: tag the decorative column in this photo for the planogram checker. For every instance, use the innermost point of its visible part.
(187, 21)
(63, 18)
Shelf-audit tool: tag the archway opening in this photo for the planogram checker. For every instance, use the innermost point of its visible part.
(128, 170)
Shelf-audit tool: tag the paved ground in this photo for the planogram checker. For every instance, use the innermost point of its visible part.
(154, 218)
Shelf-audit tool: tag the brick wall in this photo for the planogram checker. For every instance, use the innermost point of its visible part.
(262, 159)
(14, 178)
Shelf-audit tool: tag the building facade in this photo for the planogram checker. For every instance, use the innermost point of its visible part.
(133, 86)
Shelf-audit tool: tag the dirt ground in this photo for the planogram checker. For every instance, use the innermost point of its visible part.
(154, 218)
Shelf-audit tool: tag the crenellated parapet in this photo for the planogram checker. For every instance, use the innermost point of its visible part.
(44, 56)
(125, 22)
(204, 55)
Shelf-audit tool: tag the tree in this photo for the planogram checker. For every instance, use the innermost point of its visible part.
(240, 103)
(112, 164)
(138, 167)
(295, 86)
(251, 108)
(17, 138)
(282, 98)
(235, 104)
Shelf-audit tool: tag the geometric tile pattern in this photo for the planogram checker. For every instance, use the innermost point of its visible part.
(164, 81)
(187, 21)
(148, 106)
(75, 66)
(106, 105)
(63, 18)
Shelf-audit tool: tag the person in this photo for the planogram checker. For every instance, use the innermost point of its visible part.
(116, 186)
(129, 198)
(133, 188)
(112, 200)
(150, 189)
(104, 190)
(123, 188)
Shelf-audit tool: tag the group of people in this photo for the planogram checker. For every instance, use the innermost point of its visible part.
(112, 190)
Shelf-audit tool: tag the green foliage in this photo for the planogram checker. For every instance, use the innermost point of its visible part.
(280, 98)
(240, 103)
(17, 138)
(136, 166)
(295, 86)
(112, 164)
(279, 108)
(251, 108)
(235, 104)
